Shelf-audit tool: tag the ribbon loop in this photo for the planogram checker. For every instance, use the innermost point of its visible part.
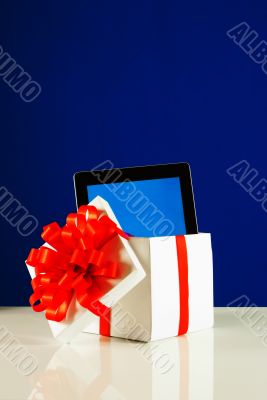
(75, 266)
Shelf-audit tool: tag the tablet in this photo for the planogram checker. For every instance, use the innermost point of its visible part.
(154, 200)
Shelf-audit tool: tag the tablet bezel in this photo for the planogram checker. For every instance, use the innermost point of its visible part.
(182, 171)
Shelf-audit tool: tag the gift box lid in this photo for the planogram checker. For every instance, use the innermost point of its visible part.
(77, 317)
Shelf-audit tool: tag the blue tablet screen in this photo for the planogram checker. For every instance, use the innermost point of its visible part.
(145, 208)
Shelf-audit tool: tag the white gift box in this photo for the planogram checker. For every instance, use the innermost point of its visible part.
(152, 310)
(77, 317)
(152, 302)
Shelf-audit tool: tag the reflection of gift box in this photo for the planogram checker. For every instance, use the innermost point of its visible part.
(174, 298)
(116, 251)
(93, 369)
(177, 368)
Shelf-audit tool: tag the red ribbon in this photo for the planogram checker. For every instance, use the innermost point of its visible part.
(183, 284)
(76, 265)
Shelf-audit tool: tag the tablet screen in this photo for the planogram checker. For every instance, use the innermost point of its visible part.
(145, 208)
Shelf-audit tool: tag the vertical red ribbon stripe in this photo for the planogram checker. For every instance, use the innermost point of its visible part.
(183, 284)
(105, 318)
(104, 314)
(105, 323)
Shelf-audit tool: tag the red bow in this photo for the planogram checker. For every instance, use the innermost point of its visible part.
(75, 266)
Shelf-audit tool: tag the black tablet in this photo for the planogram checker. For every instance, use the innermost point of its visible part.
(154, 200)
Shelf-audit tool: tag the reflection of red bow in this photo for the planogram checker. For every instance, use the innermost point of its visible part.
(75, 265)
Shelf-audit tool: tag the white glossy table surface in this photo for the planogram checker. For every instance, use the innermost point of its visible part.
(227, 362)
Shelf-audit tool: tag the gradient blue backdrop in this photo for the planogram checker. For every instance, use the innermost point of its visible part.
(137, 83)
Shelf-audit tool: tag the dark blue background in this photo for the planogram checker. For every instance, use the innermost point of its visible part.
(138, 83)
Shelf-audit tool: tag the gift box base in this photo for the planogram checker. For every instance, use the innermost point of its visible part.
(152, 310)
